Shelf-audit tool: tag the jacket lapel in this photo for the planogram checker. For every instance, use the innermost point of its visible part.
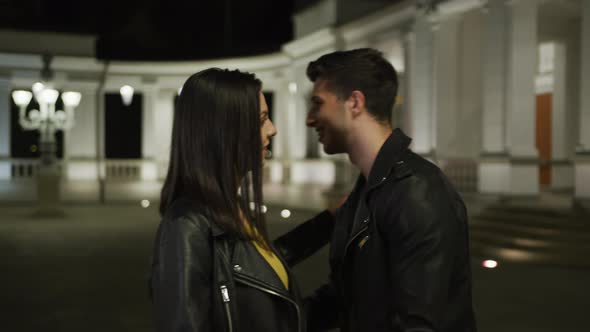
(248, 263)
(388, 163)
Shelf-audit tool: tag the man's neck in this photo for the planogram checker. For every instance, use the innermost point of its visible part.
(365, 145)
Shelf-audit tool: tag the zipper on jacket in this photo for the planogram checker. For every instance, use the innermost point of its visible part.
(225, 298)
(262, 288)
(356, 235)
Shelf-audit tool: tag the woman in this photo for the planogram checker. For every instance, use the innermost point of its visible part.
(213, 267)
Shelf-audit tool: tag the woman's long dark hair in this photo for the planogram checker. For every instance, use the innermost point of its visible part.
(216, 149)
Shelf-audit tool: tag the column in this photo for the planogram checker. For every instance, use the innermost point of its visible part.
(494, 165)
(582, 162)
(524, 167)
(298, 132)
(100, 142)
(447, 83)
(80, 153)
(280, 105)
(561, 168)
(162, 132)
(470, 87)
(80, 141)
(5, 102)
(292, 140)
(406, 80)
(420, 70)
(149, 168)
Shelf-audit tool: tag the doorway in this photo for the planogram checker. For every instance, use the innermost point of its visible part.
(543, 137)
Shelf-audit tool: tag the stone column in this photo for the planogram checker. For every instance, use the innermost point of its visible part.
(150, 99)
(149, 127)
(280, 113)
(299, 142)
(80, 153)
(293, 141)
(582, 162)
(5, 102)
(468, 137)
(163, 116)
(447, 87)
(561, 168)
(80, 141)
(420, 75)
(494, 165)
(524, 161)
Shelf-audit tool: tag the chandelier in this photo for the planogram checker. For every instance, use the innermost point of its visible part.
(46, 115)
(46, 119)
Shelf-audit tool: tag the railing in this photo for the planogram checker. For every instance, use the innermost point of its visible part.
(123, 169)
(76, 169)
(461, 172)
(24, 168)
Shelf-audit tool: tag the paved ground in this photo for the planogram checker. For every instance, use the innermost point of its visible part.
(86, 272)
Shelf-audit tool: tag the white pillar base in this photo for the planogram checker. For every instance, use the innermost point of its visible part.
(524, 177)
(562, 176)
(582, 176)
(494, 175)
(5, 170)
(48, 192)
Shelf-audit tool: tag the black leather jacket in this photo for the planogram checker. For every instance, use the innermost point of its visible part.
(202, 280)
(399, 252)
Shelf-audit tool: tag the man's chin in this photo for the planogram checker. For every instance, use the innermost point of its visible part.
(330, 150)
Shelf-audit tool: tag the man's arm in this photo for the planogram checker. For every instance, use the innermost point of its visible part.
(306, 239)
(422, 236)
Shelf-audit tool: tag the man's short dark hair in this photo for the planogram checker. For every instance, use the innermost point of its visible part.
(363, 69)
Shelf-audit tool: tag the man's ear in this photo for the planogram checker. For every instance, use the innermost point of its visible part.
(356, 102)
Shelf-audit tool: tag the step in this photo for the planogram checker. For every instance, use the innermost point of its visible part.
(541, 220)
(534, 210)
(524, 256)
(527, 231)
(531, 244)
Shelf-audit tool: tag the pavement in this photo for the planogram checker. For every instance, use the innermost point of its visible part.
(86, 271)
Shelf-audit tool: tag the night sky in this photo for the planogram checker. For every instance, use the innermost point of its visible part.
(162, 29)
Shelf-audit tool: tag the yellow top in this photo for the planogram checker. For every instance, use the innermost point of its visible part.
(270, 257)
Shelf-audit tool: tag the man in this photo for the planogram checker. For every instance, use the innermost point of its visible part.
(399, 253)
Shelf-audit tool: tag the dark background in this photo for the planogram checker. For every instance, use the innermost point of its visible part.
(162, 29)
(123, 127)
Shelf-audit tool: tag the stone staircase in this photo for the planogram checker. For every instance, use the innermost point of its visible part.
(532, 234)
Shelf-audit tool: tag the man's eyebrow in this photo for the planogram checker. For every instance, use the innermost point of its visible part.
(316, 98)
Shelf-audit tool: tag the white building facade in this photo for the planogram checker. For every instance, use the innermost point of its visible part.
(496, 92)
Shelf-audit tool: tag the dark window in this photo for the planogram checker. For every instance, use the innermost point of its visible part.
(123, 127)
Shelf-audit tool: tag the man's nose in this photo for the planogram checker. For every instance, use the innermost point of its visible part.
(310, 120)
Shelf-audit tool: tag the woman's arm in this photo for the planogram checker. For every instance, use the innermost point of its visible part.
(182, 278)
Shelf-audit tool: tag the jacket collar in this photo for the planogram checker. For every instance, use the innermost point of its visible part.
(249, 264)
(389, 158)
(389, 162)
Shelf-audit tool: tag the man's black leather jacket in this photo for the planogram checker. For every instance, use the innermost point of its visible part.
(399, 252)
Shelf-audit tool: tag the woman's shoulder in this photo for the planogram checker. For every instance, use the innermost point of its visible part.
(183, 212)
